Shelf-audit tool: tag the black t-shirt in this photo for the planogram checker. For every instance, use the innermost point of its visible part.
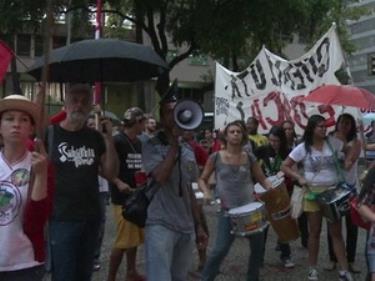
(76, 156)
(130, 156)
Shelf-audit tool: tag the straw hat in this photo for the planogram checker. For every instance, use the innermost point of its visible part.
(20, 103)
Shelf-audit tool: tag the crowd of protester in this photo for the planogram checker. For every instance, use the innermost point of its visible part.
(54, 194)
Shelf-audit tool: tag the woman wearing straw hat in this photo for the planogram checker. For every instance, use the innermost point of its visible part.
(23, 192)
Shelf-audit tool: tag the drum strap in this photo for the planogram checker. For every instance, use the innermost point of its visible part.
(339, 171)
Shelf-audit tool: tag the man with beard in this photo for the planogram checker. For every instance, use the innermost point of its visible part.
(149, 128)
(78, 154)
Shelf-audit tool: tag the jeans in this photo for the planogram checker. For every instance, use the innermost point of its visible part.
(73, 249)
(103, 207)
(351, 241)
(168, 253)
(224, 240)
(35, 273)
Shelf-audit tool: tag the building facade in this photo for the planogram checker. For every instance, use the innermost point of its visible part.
(363, 36)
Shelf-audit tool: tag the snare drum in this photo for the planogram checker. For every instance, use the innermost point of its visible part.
(334, 203)
(248, 219)
(277, 203)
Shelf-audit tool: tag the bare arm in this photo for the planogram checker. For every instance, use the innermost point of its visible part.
(203, 179)
(39, 165)
(163, 170)
(352, 154)
(288, 167)
(259, 175)
(122, 186)
(367, 213)
(109, 162)
(202, 237)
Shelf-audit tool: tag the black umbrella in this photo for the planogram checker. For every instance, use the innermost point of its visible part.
(103, 60)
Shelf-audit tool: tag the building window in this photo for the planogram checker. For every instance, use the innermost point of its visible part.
(38, 45)
(24, 45)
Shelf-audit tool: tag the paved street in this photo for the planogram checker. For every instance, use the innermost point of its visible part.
(234, 267)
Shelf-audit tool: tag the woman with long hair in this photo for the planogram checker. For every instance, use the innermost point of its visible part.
(292, 141)
(290, 133)
(270, 157)
(234, 168)
(346, 131)
(317, 153)
(23, 193)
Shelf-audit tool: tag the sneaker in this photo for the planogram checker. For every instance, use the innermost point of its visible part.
(345, 276)
(313, 275)
(287, 263)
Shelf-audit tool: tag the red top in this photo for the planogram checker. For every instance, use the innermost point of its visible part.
(200, 153)
(58, 117)
(216, 146)
(36, 216)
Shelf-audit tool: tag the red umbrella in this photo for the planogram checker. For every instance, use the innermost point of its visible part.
(343, 95)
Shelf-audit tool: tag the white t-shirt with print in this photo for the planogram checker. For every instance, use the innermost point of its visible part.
(16, 250)
(319, 166)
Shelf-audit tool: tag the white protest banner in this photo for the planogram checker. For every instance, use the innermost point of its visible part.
(271, 88)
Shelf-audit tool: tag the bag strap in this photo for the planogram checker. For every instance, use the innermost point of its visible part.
(339, 171)
(50, 135)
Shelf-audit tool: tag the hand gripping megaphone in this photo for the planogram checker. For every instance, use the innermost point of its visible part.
(188, 115)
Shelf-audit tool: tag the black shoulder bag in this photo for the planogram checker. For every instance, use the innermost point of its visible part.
(136, 204)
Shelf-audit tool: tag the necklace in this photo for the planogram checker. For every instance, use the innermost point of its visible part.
(14, 162)
(128, 140)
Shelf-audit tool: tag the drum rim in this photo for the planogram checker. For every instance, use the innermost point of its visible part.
(259, 204)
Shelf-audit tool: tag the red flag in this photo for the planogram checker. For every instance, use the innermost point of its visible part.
(6, 55)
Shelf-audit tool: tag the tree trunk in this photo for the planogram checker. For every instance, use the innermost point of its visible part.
(68, 17)
(15, 77)
(139, 13)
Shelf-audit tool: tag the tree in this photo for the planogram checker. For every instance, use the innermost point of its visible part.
(232, 30)
(229, 30)
(318, 16)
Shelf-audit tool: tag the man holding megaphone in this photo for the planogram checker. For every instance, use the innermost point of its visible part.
(172, 214)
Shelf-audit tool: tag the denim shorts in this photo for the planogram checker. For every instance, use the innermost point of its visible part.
(370, 251)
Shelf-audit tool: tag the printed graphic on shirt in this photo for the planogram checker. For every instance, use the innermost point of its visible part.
(20, 177)
(80, 156)
(318, 163)
(10, 202)
(134, 161)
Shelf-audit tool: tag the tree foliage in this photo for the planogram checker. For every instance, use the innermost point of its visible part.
(230, 30)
